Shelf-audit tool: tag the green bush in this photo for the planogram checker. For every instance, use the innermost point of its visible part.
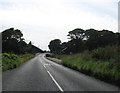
(109, 53)
(10, 61)
(103, 63)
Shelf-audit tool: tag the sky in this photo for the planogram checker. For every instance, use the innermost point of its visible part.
(44, 20)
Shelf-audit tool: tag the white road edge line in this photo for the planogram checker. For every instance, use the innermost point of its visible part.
(55, 82)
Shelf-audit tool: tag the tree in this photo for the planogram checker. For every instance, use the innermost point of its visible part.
(12, 41)
(92, 36)
(81, 40)
(95, 38)
(18, 35)
(55, 46)
(118, 38)
(76, 34)
(11, 33)
(76, 44)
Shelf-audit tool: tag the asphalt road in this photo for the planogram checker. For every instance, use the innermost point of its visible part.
(40, 74)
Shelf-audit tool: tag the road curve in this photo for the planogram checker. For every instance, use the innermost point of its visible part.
(40, 74)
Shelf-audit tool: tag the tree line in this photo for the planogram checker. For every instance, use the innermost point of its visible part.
(13, 42)
(81, 40)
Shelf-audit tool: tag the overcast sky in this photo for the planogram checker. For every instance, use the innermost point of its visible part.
(44, 20)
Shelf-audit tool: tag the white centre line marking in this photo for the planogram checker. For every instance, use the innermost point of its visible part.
(44, 66)
(52, 78)
(55, 82)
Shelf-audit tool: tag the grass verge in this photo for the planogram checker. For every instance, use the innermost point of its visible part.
(11, 61)
(102, 63)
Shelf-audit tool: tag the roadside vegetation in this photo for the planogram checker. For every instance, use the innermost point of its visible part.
(11, 61)
(102, 63)
(95, 53)
(15, 50)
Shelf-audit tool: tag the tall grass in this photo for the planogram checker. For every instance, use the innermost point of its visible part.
(10, 61)
(103, 63)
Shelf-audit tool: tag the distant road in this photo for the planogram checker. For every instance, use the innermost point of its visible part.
(40, 74)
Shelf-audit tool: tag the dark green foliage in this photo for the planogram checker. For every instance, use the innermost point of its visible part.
(33, 49)
(9, 61)
(55, 46)
(73, 46)
(13, 42)
(11, 33)
(76, 34)
(13, 45)
(93, 52)
(90, 39)
(107, 53)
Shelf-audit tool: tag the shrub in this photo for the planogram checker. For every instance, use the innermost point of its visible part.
(10, 61)
(103, 63)
(109, 53)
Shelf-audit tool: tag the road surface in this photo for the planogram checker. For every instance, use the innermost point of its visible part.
(40, 74)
